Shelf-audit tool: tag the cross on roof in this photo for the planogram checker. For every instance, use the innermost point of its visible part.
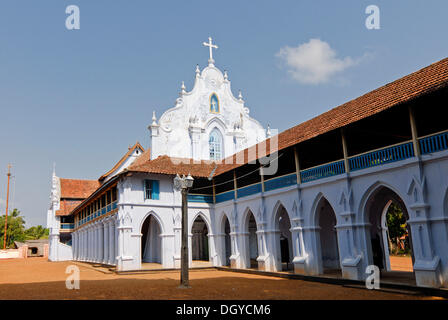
(211, 46)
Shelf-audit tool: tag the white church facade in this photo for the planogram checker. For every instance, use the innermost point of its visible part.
(317, 206)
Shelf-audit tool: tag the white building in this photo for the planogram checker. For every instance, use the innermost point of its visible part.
(322, 210)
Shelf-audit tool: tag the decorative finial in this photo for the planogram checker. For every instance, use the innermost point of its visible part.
(154, 119)
(54, 169)
(182, 87)
(226, 77)
(211, 46)
(198, 71)
(268, 131)
(240, 96)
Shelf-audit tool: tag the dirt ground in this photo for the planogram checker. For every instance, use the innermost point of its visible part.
(36, 278)
(401, 263)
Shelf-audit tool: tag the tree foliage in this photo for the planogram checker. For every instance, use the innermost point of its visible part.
(16, 230)
(396, 223)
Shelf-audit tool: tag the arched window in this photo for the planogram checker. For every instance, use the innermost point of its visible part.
(215, 145)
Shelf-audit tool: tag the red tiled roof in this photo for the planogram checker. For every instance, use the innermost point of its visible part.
(402, 90)
(77, 189)
(123, 159)
(66, 206)
(171, 165)
(426, 80)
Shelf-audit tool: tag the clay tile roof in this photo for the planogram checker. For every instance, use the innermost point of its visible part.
(123, 159)
(171, 165)
(77, 189)
(416, 84)
(66, 206)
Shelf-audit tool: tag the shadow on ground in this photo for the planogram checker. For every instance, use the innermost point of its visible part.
(224, 288)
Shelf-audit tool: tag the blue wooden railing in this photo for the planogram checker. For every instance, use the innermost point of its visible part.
(99, 213)
(382, 156)
(221, 197)
(249, 190)
(67, 225)
(203, 198)
(323, 171)
(280, 182)
(434, 143)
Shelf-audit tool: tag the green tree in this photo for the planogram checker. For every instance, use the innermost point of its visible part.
(396, 223)
(37, 232)
(15, 228)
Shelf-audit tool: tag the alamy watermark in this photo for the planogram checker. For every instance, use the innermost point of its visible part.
(73, 280)
(72, 22)
(373, 280)
(373, 20)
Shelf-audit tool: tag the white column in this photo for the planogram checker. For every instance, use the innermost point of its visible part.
(81, 247)
(90, 243)
(88, 229)
(116, 253)
(106, 241)
(86, 242)
(100, 242)
(111, 242)
(75, 245)
(97, 243)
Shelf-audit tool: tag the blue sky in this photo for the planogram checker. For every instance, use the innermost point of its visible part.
(81, 97)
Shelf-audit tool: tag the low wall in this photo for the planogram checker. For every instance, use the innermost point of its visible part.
(11, 254)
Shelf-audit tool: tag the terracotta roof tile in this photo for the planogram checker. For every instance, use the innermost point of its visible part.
(171, 165)
(123, 159)
(402, 90)
(66, 206)
(77, 189)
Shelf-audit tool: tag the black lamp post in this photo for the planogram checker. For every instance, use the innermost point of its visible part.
(184, 184)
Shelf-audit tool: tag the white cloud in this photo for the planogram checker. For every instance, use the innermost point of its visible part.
(314, 62)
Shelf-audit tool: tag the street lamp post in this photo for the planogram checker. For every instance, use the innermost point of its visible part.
(184, 184)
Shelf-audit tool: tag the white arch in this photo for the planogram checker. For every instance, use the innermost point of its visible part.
(206, 220)
(362, 216)
(314, 217)
(221, 227)
(158, 219)
(275, 213)
(244, 218)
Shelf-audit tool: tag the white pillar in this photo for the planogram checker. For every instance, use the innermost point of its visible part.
(86, 242)
(89, 243)
(101, 242)
(81, 237)
(106, 242)
(111, 242)
(75, 245)
(116, 240)
(97, 242)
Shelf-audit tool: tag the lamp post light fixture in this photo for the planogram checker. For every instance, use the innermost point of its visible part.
(184, 184)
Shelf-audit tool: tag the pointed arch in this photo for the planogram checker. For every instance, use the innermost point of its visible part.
(283, 249)
(249, 228)
(374, 206)
(374, 187)
(324, 220)
(203, 216)
(156, 216)
(200, 235)
(151, 241)
(244, 217)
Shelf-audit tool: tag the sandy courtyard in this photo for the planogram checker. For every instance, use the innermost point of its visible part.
(36, 278)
